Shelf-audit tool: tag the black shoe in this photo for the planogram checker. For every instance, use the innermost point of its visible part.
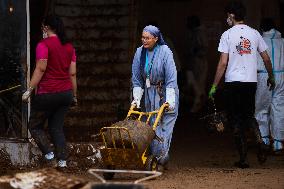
(278, 152)
(163, 167)
(160, 168)
(262, 153)
(241, 164)
(261, 157)
(166, 166)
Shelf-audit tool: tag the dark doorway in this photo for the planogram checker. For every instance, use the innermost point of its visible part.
(282, 17)
(13, 61)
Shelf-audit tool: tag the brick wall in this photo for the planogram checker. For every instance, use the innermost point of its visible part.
(102, 33)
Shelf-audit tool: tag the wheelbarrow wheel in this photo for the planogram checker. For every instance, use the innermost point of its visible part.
(109, 176)
(151, 163)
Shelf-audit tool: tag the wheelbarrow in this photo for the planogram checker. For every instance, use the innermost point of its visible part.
(125, 185)
(122, 151)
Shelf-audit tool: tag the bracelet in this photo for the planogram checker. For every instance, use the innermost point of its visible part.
(31, 88)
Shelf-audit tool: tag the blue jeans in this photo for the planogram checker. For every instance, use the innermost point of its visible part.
(51, 107)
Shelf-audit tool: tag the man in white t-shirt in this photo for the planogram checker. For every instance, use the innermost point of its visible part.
(239, 47)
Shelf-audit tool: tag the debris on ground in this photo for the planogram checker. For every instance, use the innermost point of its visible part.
(42, 178)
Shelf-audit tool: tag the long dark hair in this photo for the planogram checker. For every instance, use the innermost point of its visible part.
(56, 24)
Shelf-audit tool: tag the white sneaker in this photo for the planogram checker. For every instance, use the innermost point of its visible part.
(49, 156)
(62, 163)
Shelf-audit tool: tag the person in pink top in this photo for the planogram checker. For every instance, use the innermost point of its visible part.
(54, 81)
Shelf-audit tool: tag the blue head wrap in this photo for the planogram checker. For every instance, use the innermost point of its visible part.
(153, 30)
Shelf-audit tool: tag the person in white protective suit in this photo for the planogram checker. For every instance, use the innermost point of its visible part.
(270, 104)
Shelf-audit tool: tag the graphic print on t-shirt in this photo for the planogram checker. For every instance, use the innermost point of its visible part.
(244, 46)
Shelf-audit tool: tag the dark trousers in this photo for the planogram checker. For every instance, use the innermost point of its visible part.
(240, 106)
(51, 107)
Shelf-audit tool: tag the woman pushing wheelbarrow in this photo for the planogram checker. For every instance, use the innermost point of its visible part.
(154, 75)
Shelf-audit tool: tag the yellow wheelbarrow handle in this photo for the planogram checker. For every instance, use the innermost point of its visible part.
(162, 109)
(159, 113)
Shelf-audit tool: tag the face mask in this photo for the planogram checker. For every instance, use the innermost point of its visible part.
(44, 35)
(229, 21)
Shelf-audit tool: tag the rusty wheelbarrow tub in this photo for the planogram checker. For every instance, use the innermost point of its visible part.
(126, 143)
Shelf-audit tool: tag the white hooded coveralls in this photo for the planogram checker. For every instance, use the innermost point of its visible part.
(269, 110)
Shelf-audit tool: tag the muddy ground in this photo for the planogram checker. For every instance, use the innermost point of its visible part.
(203, 160)
(199, 159)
